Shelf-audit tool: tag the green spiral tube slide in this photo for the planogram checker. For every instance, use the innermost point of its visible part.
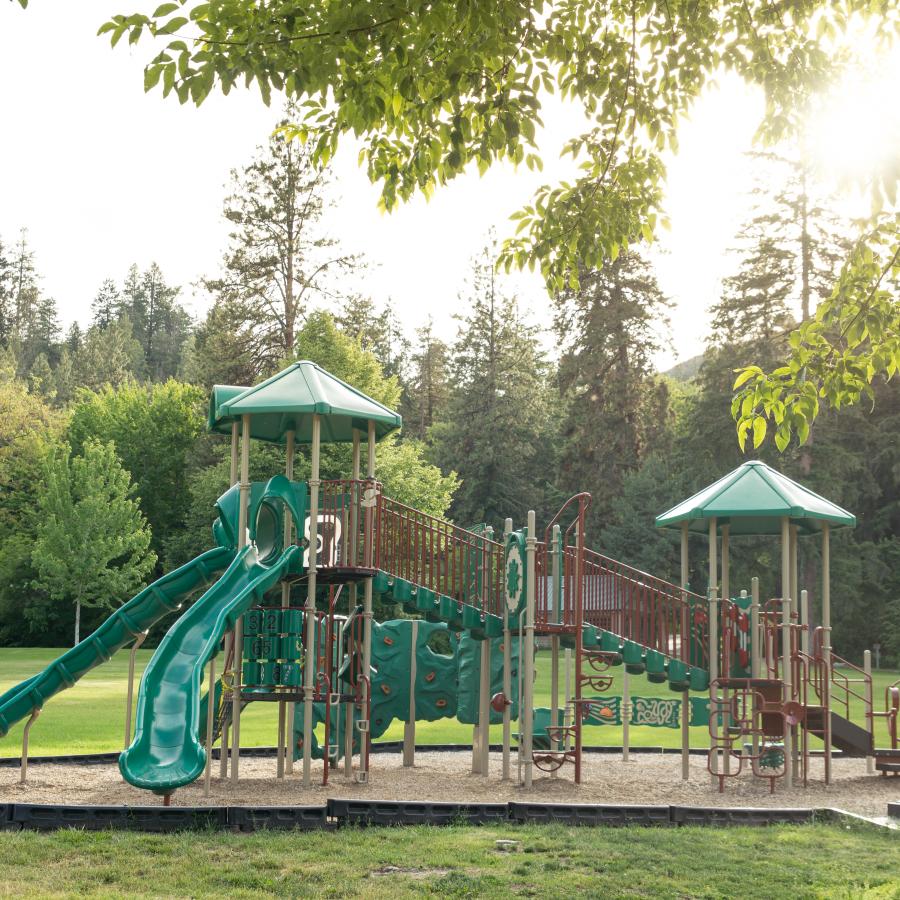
(166, 752)
(164, 596)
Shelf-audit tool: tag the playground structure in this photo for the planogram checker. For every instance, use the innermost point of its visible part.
(770, 679)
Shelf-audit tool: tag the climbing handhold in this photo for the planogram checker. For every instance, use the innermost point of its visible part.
(430, 677)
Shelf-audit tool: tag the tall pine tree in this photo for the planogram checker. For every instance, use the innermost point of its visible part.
(609, 328)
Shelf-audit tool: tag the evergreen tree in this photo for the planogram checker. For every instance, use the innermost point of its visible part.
(615, 405)
(111, 356)
(278, 260)
(166, 326)
(427, 391)
(496, 419)
(74, 338)
(378, 332)
(93, 545)
(7, 296)
(107, 305)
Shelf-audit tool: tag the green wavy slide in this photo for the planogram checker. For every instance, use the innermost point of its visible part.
(164, 596)
(167, 752)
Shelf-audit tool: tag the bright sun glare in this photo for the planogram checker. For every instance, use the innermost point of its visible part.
(857, 131)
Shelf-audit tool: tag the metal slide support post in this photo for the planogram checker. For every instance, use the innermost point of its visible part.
(804, 621)
(507, 671)
(23, 765)
(229, 637)
(556, 593)
(786, 673)
(713, 641)
(236, 675)
(626, 714)
(286, 710)
(409, 729)
(870, 721)
(130, 699)
(210, 721)
(527, 716)
(826, 644)
(367, 597)
(567, 661)
(484, 708)
(756, 647)
(354, 529)
(310, 649)
(726, 595)
(685, 637)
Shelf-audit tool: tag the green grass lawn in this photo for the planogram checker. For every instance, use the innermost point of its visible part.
(90, 716)
(458, 861)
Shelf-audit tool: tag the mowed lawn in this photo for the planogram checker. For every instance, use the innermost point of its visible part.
(458, 861)
(90, 717)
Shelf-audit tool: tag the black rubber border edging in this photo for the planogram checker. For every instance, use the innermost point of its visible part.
(341, 812)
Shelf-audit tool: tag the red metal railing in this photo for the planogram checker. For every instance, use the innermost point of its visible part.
(434, 554)
(344, 527)
(643, 608)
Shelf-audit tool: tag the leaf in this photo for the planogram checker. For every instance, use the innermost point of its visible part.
(759, 430)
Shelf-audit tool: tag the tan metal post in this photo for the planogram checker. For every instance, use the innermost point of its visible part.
(795, 576)
(870, 721)
(309, 671)
(409, 728)
(804, 621)
(786, 674)
(554, 639)
(210, 720)
(507, 672)
(285, 709)
(726, 595)
(757, 648)
(367, 592)
(229, 637)
(826, 643)
(23, 765)
(713, 639)
(237, 674)
(626, 714)
(527, 715)
(686, 696)
(130, 698)
(354, 512)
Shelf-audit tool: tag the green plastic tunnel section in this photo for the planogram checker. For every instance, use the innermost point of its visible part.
(139, 614)
(166, 752)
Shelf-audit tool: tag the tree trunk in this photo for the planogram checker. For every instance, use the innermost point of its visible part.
(77, 621)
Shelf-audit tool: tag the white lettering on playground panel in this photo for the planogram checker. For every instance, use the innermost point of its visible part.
(328, 540)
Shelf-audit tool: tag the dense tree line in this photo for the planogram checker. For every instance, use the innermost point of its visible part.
(107, 476)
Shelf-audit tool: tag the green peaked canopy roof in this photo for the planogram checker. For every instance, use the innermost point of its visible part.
(753, 499)
(289, 400)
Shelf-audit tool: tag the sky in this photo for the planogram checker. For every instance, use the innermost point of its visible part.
(103, 175)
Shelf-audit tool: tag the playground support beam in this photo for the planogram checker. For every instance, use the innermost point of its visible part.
(229, 637)
(556, 588)
(527, 715)
(309, 673)
(23, 764)
(726, 595)
(367, 599)
(870, 721)
(786, 645)
(826, 643)
(354, 512)
(238, 640)
(286, 710)
(507, 670)
(713, 639)
(756, 648)
(130, 699)
(210, 721)
(409, 727)
(685, 653)
(626, 714)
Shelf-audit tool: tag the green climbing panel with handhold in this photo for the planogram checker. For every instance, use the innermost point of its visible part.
(435, 685)
(469, 676)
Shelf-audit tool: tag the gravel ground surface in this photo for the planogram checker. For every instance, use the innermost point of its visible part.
(645, 779)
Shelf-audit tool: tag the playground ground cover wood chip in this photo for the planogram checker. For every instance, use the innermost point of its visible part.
(446, 776)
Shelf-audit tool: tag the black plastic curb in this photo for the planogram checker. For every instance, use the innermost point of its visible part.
(401, 812)
(894, 810)
(590, 814)
(350, 812)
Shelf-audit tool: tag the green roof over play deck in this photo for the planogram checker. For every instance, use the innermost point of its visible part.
(753, 499)
(289, 400)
